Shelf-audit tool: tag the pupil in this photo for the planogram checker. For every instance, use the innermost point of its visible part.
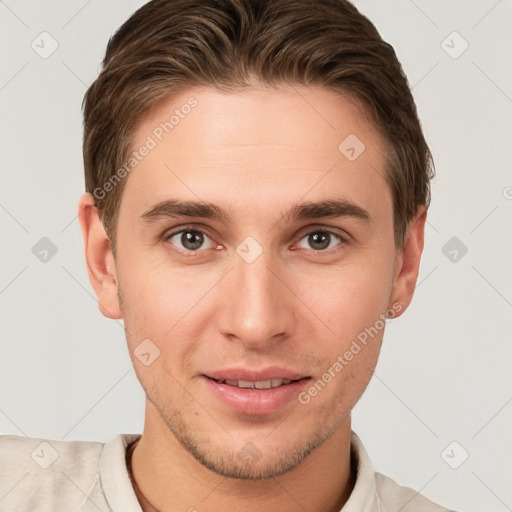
(192, 240)
(321, 240)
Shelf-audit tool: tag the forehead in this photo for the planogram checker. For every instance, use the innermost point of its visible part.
(262, 144)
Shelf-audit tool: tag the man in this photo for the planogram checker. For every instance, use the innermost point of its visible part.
(257, 185)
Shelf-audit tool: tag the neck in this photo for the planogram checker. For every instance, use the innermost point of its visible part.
(169, 479)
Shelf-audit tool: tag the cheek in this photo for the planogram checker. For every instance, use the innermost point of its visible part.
(153, 290)
(349, 299)
(166, 305)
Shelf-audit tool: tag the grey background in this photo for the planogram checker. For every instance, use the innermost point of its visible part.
(444, 373)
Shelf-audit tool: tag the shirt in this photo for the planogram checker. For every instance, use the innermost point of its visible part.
(40, 475)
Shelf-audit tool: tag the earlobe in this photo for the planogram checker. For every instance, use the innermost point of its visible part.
(408, 262)
(100, 262)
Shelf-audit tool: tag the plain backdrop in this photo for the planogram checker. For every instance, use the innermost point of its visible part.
(437, 415)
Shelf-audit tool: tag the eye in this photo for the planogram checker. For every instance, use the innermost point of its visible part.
(190, 240)
(320, 240)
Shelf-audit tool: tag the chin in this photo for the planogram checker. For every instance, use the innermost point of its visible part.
(251, 463)
(267, 456)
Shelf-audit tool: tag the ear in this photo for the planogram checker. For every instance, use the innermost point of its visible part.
(101, 265)
(408, 262)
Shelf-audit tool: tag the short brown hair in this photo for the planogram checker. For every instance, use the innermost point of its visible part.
(168, 46)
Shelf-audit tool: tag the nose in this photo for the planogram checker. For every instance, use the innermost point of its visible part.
(257, 306)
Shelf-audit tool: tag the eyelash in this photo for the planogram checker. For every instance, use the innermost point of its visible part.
(188, 253)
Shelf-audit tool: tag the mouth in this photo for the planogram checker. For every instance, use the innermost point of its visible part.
(255, 393)
(259, 384)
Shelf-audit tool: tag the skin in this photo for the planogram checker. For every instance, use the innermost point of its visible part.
(255, 154)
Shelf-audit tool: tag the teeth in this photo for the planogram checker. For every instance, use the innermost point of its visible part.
(263, 384)
(260, 384)
(246, 384)
(279, 382)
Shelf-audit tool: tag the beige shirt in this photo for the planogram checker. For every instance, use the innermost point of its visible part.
(39, 475)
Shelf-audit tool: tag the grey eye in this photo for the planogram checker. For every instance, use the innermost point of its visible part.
(320, 240)
(191, 240)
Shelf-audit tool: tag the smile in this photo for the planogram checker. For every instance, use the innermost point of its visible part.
(254, 392)
(260, 384)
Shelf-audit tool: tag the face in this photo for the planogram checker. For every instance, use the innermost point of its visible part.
(258, 257)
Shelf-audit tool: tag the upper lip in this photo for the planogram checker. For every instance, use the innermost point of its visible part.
(255, 375)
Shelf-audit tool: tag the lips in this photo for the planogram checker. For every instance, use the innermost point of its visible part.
(255, 392)
(253, 375)
(260, 384)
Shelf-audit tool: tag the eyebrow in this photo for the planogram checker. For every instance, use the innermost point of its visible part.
(330, 208)
(172, 208)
